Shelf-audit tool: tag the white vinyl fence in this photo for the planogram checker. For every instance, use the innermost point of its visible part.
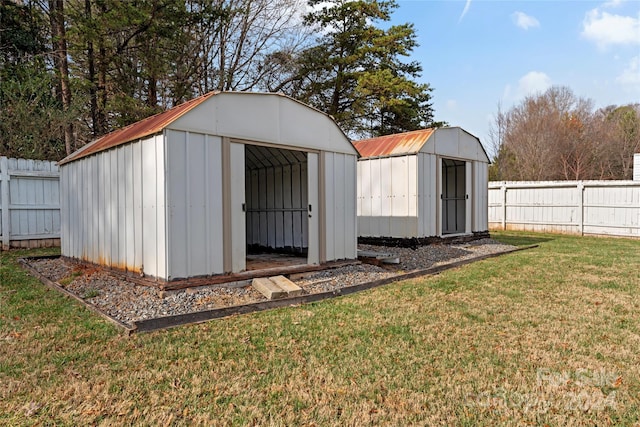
(576, 207)
(29, 203)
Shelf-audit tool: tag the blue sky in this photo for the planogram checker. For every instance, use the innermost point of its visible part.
(478, 53)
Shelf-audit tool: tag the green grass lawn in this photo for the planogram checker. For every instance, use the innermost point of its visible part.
(546, 336)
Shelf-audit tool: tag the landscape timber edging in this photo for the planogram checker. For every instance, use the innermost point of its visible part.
(166, 322)
(54, 285)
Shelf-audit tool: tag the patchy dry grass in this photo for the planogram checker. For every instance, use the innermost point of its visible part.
(545, 336)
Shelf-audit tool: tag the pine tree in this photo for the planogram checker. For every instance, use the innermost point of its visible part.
(357, 71)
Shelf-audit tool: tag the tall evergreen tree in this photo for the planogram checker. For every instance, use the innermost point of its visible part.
(357, 72)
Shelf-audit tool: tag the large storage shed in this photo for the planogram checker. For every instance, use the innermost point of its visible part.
(187, 192)
(425, 183)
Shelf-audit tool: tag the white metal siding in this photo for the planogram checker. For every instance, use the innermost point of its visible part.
(312, 230)
(237, 200)
(427, 195)
(194, 191)
(111, 216)
(388, 196)
(455, 143)
(340, 206)
(468, 191)
(480, 197)
(265, 118)
(156, 205)
(579, 207)
(399, 196)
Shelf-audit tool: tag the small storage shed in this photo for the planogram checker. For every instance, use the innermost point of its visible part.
(425, 183)
(188, 192)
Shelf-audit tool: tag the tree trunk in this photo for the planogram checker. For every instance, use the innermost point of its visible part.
(59, 42)
(93, 93)
(101, 92)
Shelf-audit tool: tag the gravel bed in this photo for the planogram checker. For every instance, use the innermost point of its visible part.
(129, 302)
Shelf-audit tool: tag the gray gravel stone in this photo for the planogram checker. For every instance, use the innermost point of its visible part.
(129, 302)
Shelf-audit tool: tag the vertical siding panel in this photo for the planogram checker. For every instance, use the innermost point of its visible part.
(330, 207)
(178, 180)
(350, 218)
(376, 191)
(431, 180)
(338, 184)
(386, 190)
(470, 201)
(313, 218)
(138, 204)
(412, 181)
(161, 224)
(100, 206)
(214, 195)
(237, 199)
(113, 206)
(90, 237)
(364, 198)
(149, 220)
(129, 229)
(121, 208)
(399, 186)
(305, 200)
(197, 201)
(80, 182)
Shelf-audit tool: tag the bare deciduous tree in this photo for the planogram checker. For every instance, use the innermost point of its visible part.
(557, 136)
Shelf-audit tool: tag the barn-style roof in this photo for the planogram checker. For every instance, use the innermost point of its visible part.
(145, 127)
(430, 140)
(389, 145)
(157, 123)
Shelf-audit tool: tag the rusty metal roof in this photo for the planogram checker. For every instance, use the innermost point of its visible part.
(145, 127)
(396, 144)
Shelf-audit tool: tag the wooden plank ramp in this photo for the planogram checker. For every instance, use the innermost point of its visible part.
(276, 287)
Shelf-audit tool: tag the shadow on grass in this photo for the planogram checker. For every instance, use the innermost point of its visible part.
(518, 239)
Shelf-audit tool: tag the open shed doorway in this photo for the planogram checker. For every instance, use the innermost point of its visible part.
(277, 207)
(454, 196)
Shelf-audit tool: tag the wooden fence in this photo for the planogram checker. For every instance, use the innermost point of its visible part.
(576, 207)
(29, 203)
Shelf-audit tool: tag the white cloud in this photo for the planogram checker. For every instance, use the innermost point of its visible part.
(613, 3)
(451, 104)
(631, 74)
(524, 21)
(606, 29)
(533, 82)
(465, 10)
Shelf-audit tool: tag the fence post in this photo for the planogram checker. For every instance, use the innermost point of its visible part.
(4, 196)
(503, 189)
(581, 207)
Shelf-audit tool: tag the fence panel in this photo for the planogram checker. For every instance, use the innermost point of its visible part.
(29, 203)
(575, 207)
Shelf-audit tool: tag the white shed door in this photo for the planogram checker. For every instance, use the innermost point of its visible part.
(237, 200)
(313, 254)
